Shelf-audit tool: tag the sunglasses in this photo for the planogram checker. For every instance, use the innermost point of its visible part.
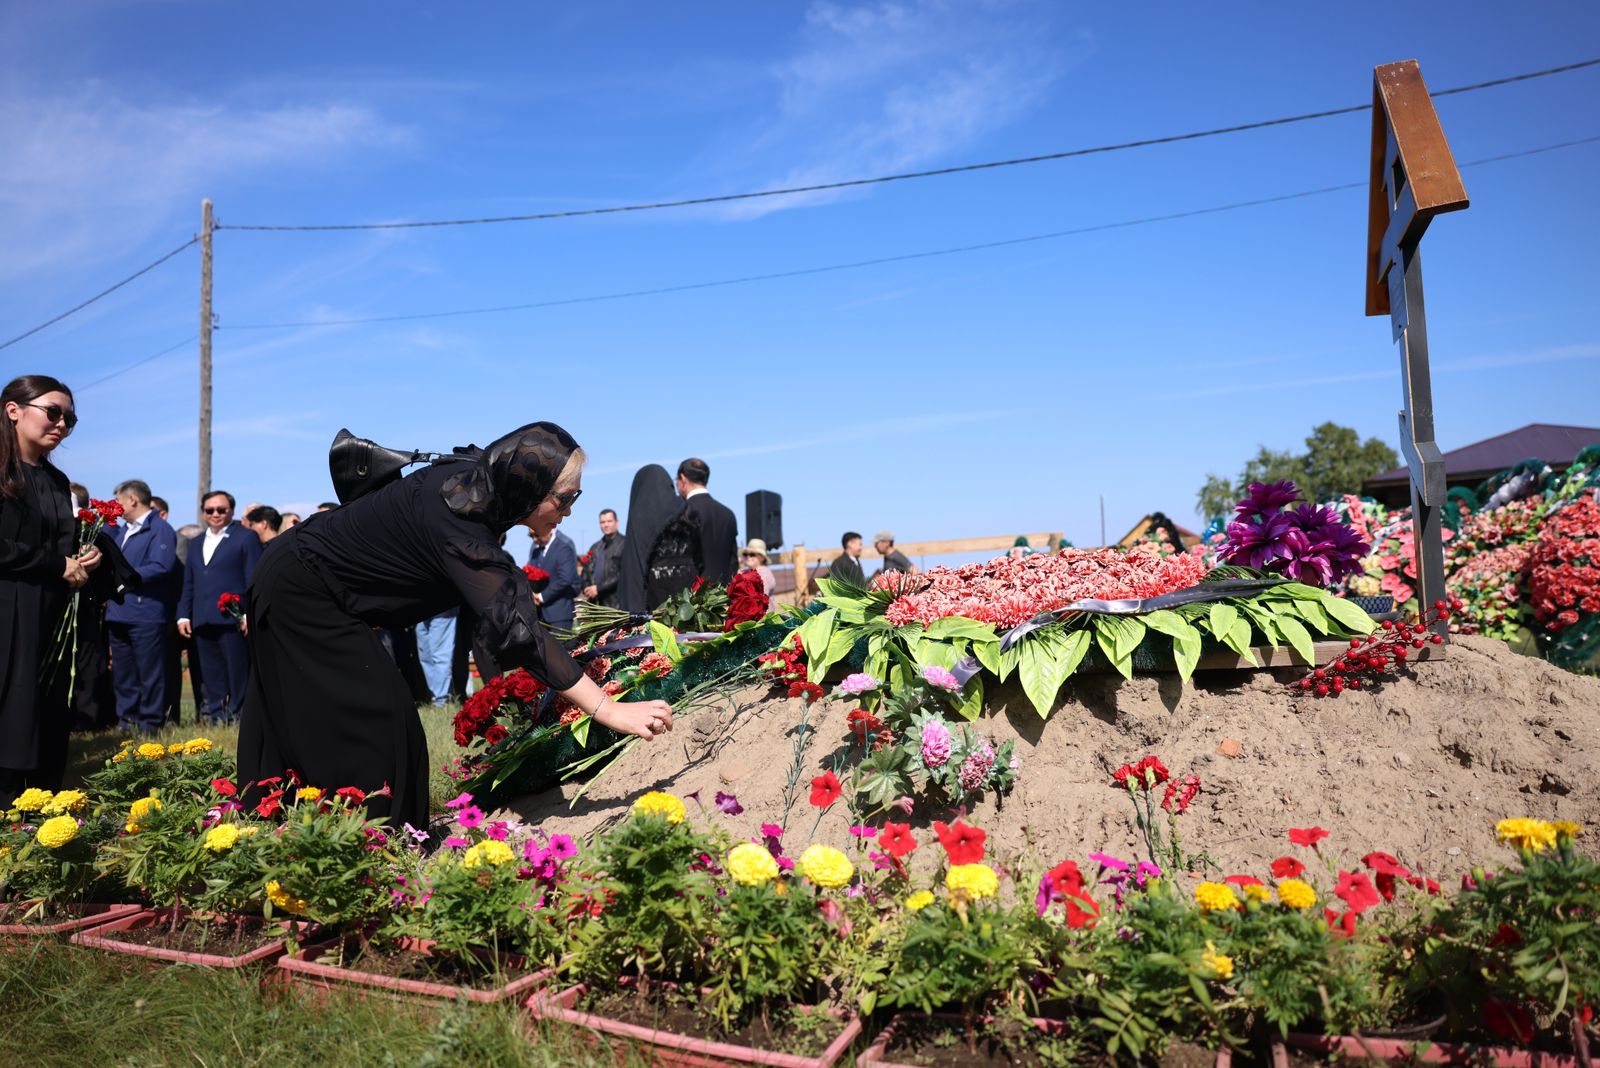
(567, 500)
(224, 510)
(56, 414)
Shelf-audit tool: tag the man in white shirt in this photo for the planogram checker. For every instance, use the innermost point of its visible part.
(227, 558)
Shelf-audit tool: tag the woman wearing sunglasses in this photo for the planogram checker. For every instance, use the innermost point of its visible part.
(325, 698)
(39, 568)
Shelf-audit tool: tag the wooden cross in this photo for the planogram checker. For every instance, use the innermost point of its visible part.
(1414, 178)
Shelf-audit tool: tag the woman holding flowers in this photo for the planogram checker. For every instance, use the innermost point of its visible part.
(39, 568)
(325, 699)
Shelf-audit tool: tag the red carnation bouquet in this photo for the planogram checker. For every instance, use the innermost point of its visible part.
(232, 606)
(538, 577)
(100, 515)
(513, 696)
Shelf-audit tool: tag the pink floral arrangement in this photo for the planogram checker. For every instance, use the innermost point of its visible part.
(1006, 591)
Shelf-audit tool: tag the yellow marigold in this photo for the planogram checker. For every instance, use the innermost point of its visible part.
(1214, 896)
(1296, 894)
(826, 866)
(1535, 835)
(284, 900)
(141, 808)
(1566, 828)
(122, 755)
(249, 830)
(196, 745)
(152, 750)
(32, 799)
(660, 805)
(65, 802)
(488, 851)
(1257, 892)
(751, 865)
(57, 831)
(974, 881)
(919, 900)
(1220, 964)
(308, 793)
(222, 837)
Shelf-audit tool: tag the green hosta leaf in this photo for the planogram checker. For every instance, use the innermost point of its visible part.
(1238, 639)
(1074, 647)
(1296, 591)
(988, 654)
(1312, 613)
(1038, 670)
(1222, 619)
(1186, 640)
(1298, 638)
(971, 706)
(1010, 659)
(1348, 615)
(844, 639)
(580, 730)
(666, 642)
(1118, 637)
(962, 627)
(1264, 621)
(816, 634)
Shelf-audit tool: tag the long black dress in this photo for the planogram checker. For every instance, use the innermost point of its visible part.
(662, 553)
(37, 534)
(325, 699)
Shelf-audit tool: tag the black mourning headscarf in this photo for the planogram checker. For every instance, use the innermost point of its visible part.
(510, 477)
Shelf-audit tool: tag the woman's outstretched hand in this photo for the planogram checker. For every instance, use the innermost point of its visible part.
(647, 719)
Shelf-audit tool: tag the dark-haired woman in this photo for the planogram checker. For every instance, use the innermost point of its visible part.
(325, 699)
(39, 569)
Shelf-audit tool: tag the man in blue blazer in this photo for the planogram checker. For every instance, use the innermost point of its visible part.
(559, 557)
(138, 625)
(221, 560)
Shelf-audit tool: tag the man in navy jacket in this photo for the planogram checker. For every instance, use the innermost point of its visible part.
(138, 625)
(559, 557)
(221, 560)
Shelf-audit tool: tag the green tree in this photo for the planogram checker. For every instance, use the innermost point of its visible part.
(1336, 461)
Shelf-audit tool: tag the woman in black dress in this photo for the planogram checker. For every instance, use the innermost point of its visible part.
(325, 698)
(662, 553)
(39, 569)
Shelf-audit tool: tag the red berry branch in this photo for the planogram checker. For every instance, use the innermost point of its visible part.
(1378, 656)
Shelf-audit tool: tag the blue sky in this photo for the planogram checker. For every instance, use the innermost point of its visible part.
(986, 392)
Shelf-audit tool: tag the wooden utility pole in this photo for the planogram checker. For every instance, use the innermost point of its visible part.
(205, 357)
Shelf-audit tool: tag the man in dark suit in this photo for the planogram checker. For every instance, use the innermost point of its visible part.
(719, 530)
(559, 557)
(605, 561)
(221, 560)
(138, 625)
(847, 567)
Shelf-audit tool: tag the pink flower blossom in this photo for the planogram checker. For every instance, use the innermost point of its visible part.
(935, 744)
(860, 682)
(941, 677)
(975, 769)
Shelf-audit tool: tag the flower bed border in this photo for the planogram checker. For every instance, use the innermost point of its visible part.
(669, 1047)
(873, 1056)
(1408, 1051)
(305, 970)
(97, 938)
(85, 921)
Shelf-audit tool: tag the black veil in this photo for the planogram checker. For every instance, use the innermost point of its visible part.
(653, 503)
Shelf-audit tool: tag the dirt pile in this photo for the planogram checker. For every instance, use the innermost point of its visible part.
(1421, 768)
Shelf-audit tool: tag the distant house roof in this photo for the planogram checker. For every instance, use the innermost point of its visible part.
(1145, 526)
(1556, 445)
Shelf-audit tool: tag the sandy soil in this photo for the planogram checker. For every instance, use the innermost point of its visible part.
(1421, 768)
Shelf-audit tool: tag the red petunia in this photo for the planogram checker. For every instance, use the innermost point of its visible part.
(963, 844)
(1357, 891)
(224, 787)
(1306, 836)
(1341, 926)
(353, 794)
(1243, 880)
(1287, 868)
(825, 789)
(1066, 880)
(1385, 863)
(896, 839)
(270, 805)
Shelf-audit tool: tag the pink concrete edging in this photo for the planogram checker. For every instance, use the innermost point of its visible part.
(91, 916)
(671, 1048)
(875, 1055)
(1406, 1051)
(308, 970)
(100, 938)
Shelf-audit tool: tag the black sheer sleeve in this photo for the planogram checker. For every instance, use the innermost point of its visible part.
(508, 623)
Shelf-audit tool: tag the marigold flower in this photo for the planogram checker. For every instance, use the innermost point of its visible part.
(1221, 965)
(826, 866)
(1216, 897)
(221, 838)
(1257, 892)
(660, 805)
(751, 864)
(153, 750)
(1530, 834)
(121, 755)
(1564, 828)
(32, 799)
(196, 746)
(308, 793)
(57, 831)
(488, 851)
(139, 810)
(1296, 894)
(284, 900)
(972, 881)
(919, 900)
(68, 801)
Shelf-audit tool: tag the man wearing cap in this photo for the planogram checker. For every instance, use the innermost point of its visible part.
(893, 559)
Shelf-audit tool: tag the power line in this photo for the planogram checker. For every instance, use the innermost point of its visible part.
(139, 363)
(103, 293)
(902, 258)
(907, 175)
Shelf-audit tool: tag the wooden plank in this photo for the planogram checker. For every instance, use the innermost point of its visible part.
(1283, 656)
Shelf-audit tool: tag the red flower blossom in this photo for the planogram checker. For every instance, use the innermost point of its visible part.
(825, 789)
(1182, 792)
(1243, 880)
(224, 787)
(963, 844)
(1508, 1020)
(655, 664)
(495, 734)
(270, 805)
(1506, 936)
(1357, 891)
(865, 727)
(698, 583)
(353, 794)
(1067, 881)
(747, 599)
(1306, 836)
(536, 575)
(523, 686)
(227, 602)
(109, 511)
(809, 690)
(1287, 868)
(1385, 863)
(1151, 771)
(896, 839)
(1341, 926)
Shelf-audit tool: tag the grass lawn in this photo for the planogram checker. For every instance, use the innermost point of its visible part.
(87, 753)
